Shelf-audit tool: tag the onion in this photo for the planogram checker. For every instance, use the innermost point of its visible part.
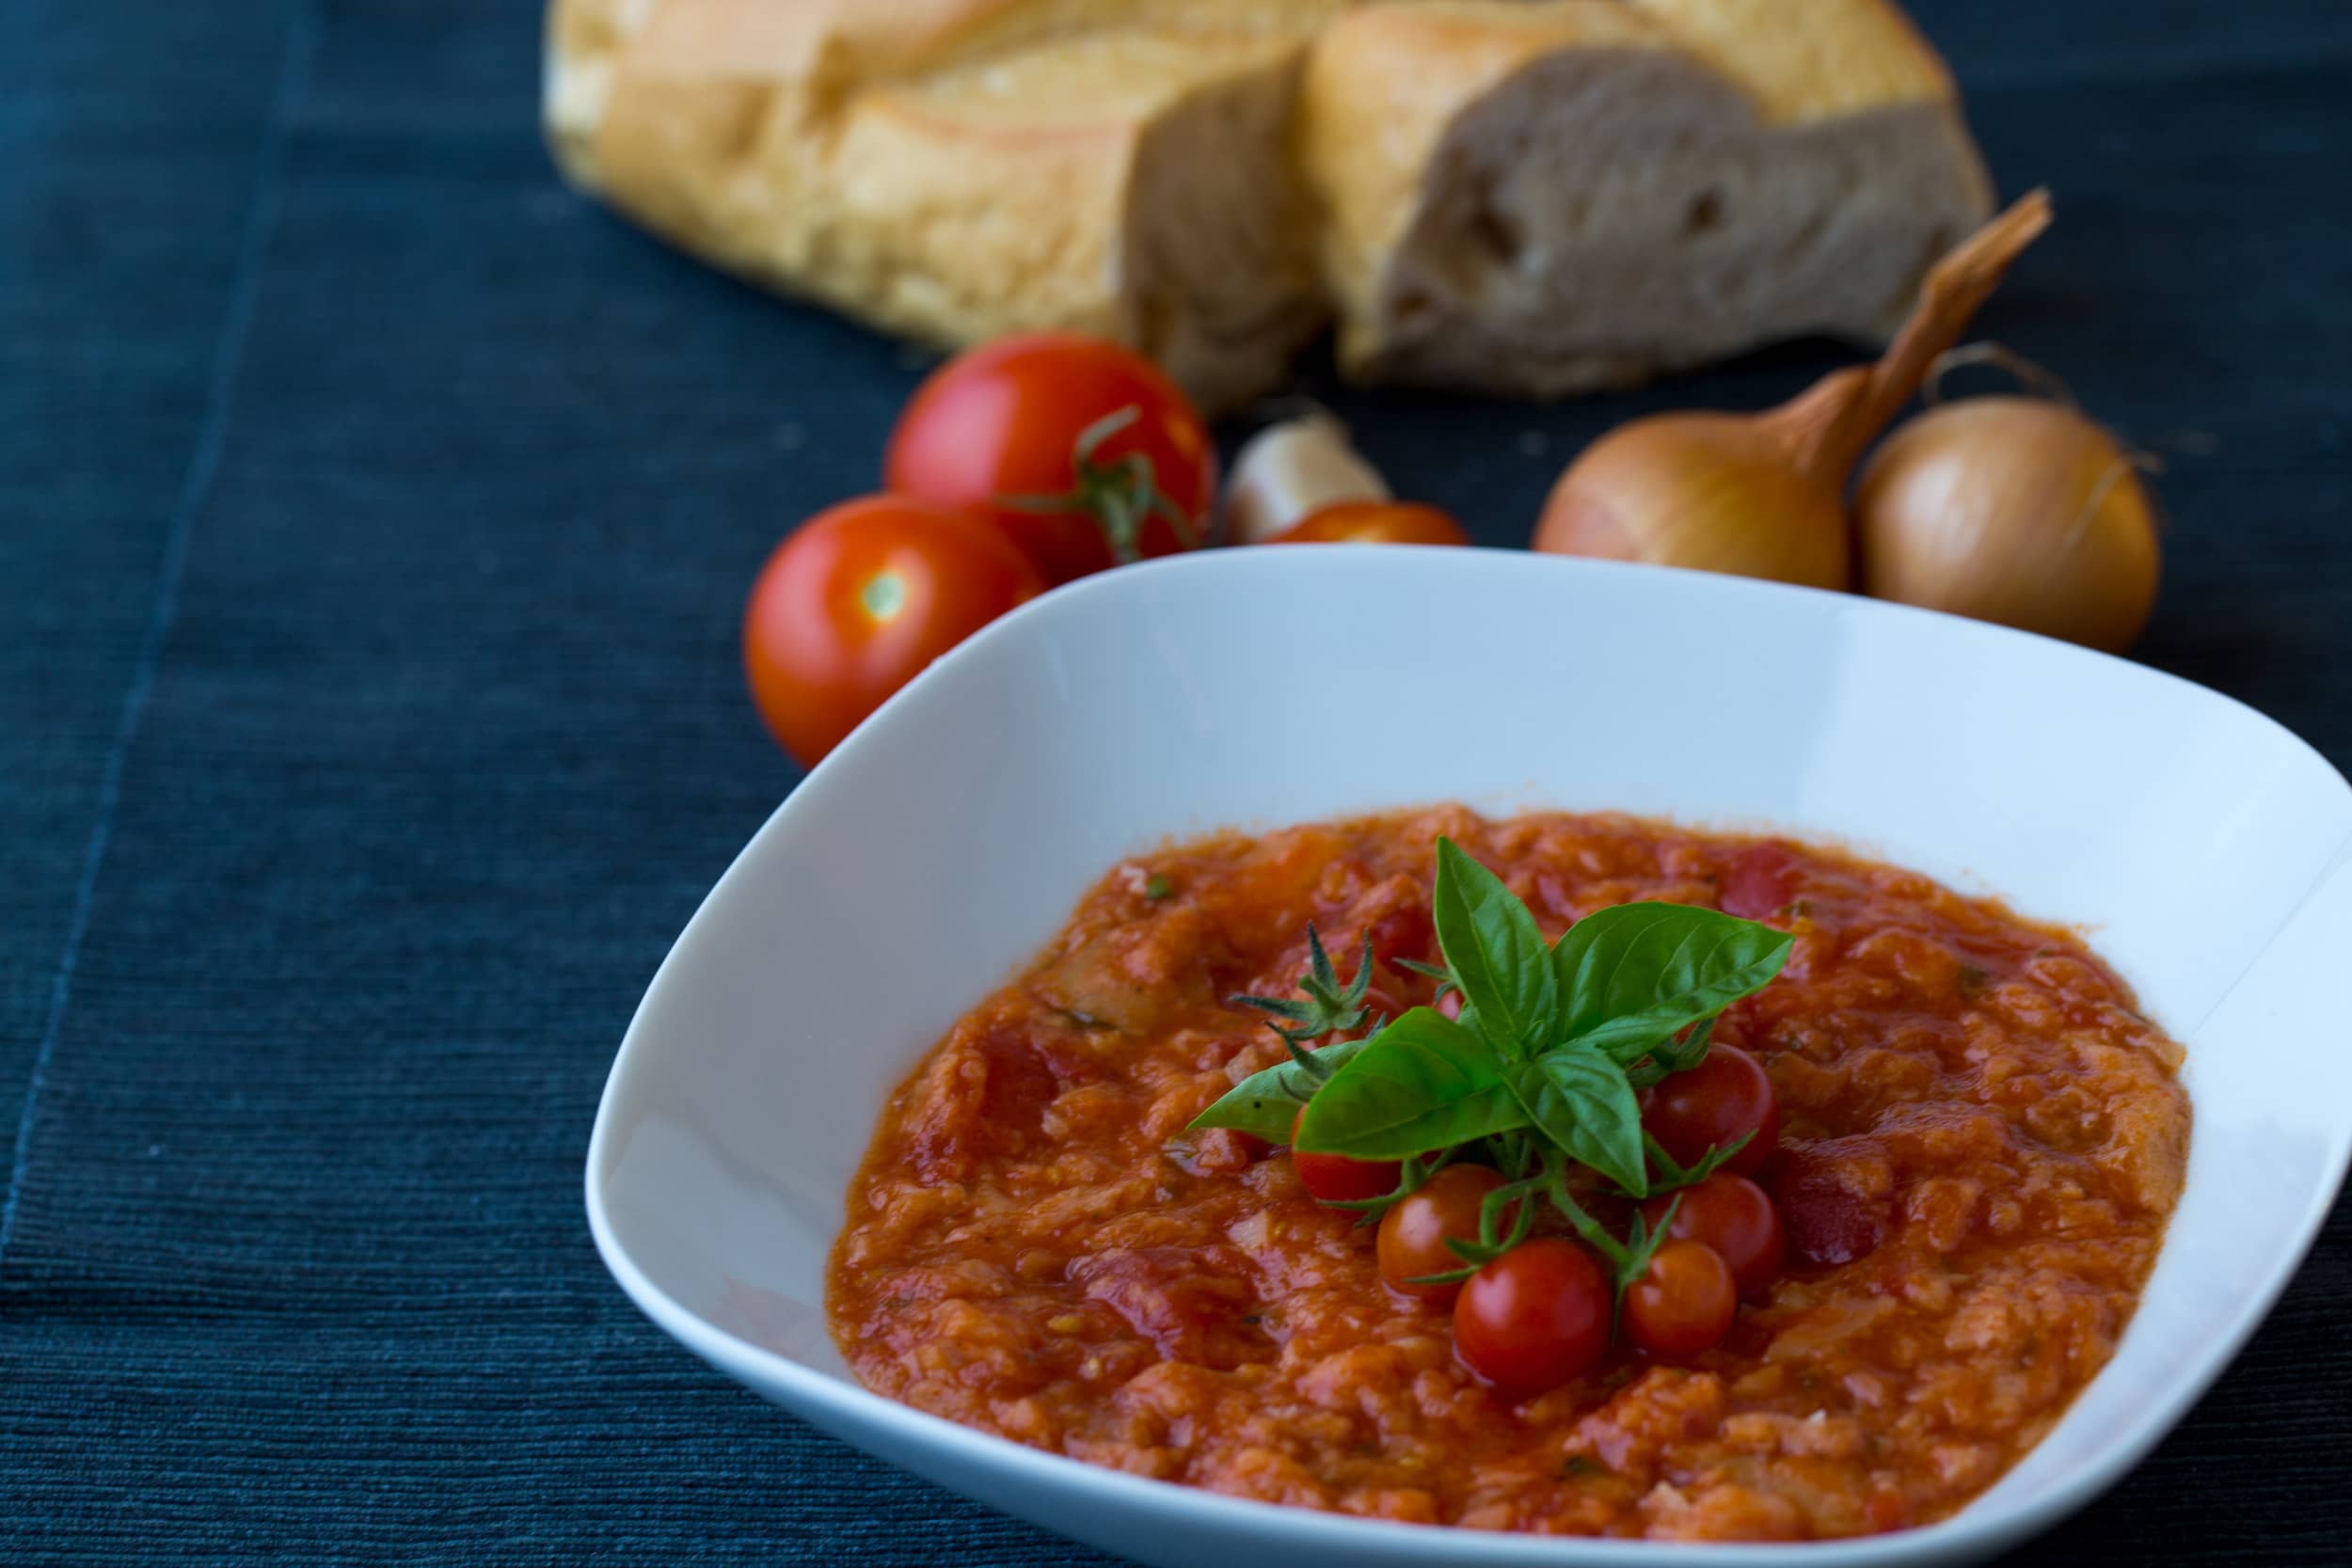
(1763, 495)
(2019, 510)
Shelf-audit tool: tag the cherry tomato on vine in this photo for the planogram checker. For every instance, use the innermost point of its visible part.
(1337, 1179)
(856, 602)
(1732, 1215)
(1683, 1304)
(1727, 1097)
(1373, 523)
(1533, 1319)
(1413, 1233)
(1005, 421)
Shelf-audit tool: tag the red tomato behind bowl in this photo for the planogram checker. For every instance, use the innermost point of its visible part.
(1004, 420)
(857, 602)
(1373, 523)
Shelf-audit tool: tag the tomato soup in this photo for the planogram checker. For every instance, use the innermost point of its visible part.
(1981, 1142)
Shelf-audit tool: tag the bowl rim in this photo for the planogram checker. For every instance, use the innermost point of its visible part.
(834, 1404)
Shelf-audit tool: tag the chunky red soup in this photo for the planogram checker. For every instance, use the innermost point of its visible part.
(1981, 1142)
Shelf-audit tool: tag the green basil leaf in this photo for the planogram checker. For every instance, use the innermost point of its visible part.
(1268, 1103)
(1632, 976)
(1423, 1083)
(1581, 1101)
(1497, 953)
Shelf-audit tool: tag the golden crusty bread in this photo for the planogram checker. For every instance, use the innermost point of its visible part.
(1529, 195)
(1544, 197)
(955, 169)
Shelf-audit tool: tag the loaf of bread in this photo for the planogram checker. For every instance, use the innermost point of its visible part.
(1523, 196)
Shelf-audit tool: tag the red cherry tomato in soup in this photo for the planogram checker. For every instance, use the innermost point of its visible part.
(1405, 932)
(1759, 884)
(1828, 1221)
(856, 603)
(1413, 1233)
(1725, 1097)
(1682, 1305)
(1533, 1319)
(1379, 1005)
(1005, 420)
(1373, 523)
(1731, 1215)
(1337, 1179)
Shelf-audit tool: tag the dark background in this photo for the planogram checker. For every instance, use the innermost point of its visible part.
(374, 520)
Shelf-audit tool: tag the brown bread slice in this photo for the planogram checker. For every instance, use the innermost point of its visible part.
(1544, 197)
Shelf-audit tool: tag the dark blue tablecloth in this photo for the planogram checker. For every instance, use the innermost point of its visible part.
(373, 518)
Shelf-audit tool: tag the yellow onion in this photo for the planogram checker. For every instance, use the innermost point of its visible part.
(1763, 495)
(1752, 495)
(2018, 510)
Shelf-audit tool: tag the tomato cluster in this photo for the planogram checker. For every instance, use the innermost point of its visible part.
(1004, 475)
(1544, 1312)
(1015, 468)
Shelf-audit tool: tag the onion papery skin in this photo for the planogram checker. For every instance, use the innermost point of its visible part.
(1711, 492)
(2015, 510)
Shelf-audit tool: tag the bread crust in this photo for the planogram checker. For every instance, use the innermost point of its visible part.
(957, 169)
(1205, 180)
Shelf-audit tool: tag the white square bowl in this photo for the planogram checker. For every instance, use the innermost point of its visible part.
(2207, 851)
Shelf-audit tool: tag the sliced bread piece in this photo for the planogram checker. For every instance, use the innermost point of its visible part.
(957, 169)
(1544, 197)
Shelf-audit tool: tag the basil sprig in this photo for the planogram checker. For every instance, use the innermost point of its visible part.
(1266, 1103)
(1553, 1040)
(1504, 1219)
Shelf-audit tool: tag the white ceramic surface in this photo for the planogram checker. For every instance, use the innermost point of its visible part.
(2207, 849)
